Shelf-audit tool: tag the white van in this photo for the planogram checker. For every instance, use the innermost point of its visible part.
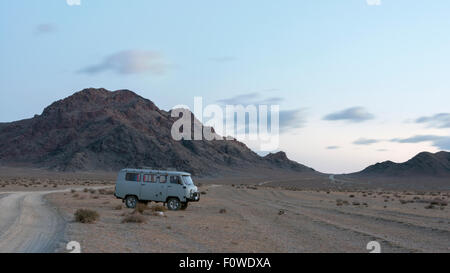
(176, 189)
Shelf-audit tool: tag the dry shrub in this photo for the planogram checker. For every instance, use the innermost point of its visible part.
(105, 192)
(118, 207)
(86, 216)
(133, 218)
(222, 211)
(340, 202)
(140, 208)
(434, 202)
(439, 202)
(158, 208)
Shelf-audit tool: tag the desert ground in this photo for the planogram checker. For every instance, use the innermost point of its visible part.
(275, 214)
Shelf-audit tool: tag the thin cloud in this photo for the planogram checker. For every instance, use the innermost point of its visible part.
(416, 139)
(45, 29)
(354, 114)
(373, 2)
(223, 59)
(288, 119)
(251, 99)
(441, 142)
(332, 147)
(73, 2)
(129, 62)
(271, 90)
(441, 120)
(365, 141)
(292, 119)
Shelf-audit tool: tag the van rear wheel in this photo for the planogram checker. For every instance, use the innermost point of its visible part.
(131, 201)
(173, 204)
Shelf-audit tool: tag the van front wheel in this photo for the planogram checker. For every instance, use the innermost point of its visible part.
(173, 204)
(131, 201)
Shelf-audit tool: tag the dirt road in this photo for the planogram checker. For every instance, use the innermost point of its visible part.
(28, 224)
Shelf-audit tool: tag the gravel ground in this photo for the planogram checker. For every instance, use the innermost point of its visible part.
(249, 218)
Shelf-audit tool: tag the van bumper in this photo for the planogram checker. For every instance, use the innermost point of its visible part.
(195, 197)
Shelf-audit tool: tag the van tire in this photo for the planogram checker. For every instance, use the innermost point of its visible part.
(173, 204)
(184, 205)
(131, 201)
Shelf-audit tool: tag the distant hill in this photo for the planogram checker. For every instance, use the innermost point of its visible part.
(426, 171)
(423, 164)
(96, 129)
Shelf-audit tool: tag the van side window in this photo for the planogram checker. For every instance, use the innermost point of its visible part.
(147, 178)
(133, 177)
(163, 179)
(174, 179)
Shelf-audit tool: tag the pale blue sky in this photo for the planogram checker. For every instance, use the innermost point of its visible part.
(321, 57)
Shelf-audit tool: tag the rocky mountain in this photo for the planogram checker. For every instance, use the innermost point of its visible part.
(96, 129)
(281, 160)
(422, 165)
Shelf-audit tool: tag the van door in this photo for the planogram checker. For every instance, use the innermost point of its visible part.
(161, 188)
(176, 188)
(149, 188)
(132, 184)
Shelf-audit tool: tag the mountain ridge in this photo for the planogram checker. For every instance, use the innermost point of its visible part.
(423, 164)
(98, 129)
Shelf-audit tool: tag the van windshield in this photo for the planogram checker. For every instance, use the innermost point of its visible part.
(188, 180)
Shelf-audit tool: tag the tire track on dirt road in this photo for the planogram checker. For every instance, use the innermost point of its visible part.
(28, 224)
(396, 232)
(310, 228)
